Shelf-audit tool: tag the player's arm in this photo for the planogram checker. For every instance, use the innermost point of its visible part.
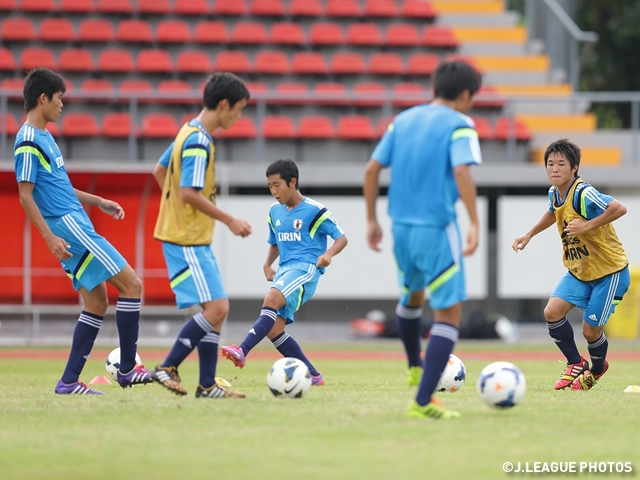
(612, 212)
(468, 194)
(193, 197)
(324, 260)
(107, 206)
(57, 245)
(160, 170)
(272, 254)
(545, 222)
(370, 191)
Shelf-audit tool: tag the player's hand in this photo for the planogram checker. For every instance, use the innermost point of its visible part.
(576, 226)
(374, 236)
(239, 227)
(112, 208)
(520, 242)
(472, 240)
(324, 260)
(59, 247)
(269, 272)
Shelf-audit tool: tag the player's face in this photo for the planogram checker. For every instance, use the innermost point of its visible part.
(559, 170)
(279, 188)
(53, 108)
(229, 115)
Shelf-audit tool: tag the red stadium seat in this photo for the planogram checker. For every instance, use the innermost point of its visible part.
(272, 62)
(194, 61)
(364, 34)
(369, 94)
(506, 127)
(211, 31)
(134, 31)
(381, 8)
(116, 125)
(244, 127)
(331, 93)
(79, 124)
(76, 60)
(249, 32)
(114, 6)
(386, 63)
(176, 88)
(305, 63)
(402, 35)
(233, 61)
(483, 127)
(488, 97)
(326, 33)
(254, 88)
(278, 126)
(407, 94)
(13, 83)
(187, 117)
(7, 60)
(316, 127)
(173, 31)
(39, 5)
(32, 57)
(417, 9)
(96, 30)
(9, 5)
(54, 29)
(306, 8)
(422, 64)
(192, 7)
(438, 37)
(137, 87)
(159, 125)
(347, 63)
(355, 127)
(299, 90)
(115, 60)
(77, 6)
(18, 29)
(231, 7)
(272, 8)
(158, 7)
(9, 124)
(96, 85)
(287, 33)
(343, 8)
(154, 60)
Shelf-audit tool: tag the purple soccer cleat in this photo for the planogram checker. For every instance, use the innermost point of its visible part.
(235, 354)
(75, 388)
(138, 376)
(317, 380)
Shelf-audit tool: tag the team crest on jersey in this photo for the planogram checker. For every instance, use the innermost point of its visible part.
(297, 224)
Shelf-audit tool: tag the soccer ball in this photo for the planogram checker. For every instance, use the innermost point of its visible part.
(453, 376)
(501, 385)
(113, 363)
(289, 378)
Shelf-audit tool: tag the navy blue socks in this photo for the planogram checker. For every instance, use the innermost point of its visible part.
(288, 347)
(409, 321)
(441, 342)
(208, 358)
(192, 332)
(598, 353)
(261, 327)
(84, 335)
(562, 334)
(128, 322)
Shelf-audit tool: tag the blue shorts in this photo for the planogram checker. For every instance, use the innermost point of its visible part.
(193, 273)
(430, 257)
(94, 259)
(297, 282)
(597, 298)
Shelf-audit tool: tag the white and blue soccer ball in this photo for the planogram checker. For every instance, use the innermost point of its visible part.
(113, 363)
(501, 385)
(453, 375)
(289, 378)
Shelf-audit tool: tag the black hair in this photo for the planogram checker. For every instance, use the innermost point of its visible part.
(453, 77)
(287, 169)
(223, 85)
(570, 151)
(41, 80)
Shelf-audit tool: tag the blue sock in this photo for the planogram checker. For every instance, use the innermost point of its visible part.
(208, 358)
(192, 332)
(598, 353)
(128, 322)
(441, 342)
(288, 347)
(409, 321)
(562, 334)
(263, 325)
(84, 335)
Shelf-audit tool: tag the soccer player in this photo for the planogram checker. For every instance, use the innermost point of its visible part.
(55, 208)
(429, 149)
(298, 231)
(598, 272)
(186, 174)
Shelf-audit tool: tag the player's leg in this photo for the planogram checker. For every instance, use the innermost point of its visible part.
(569, 292)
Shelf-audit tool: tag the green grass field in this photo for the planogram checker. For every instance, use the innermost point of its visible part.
(355, 427)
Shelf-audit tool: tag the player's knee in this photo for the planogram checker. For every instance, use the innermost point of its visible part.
(274, 299)
(215, 312)
(591, 333)
(135, 287)
(98, 305)
(550, 315)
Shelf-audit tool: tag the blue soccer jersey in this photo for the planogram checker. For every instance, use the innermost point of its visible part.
(301, 233)
(588, 201)
(422, 146)
(38, 160)
(195, 157)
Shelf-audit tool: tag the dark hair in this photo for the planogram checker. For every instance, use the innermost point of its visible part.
(223, 85)
(41, 80)
(570, 151)
(287, 169)
(453, 77)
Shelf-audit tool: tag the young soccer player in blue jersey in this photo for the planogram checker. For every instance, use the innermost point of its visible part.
(429, 149)
(598, 272)
(298, 231)
(188, 212)
(55, 208)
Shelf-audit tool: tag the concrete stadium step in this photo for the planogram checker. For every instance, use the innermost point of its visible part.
(545, 98)
(605, 156)
(492, 48)
(504, 19)
(562, 124)
(469, 6)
